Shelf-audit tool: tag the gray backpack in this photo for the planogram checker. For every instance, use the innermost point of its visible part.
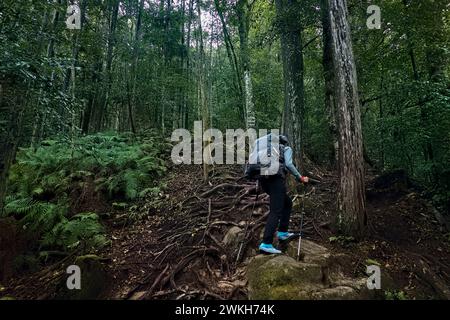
(266, 158)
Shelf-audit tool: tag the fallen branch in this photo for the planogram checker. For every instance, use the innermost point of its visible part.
(220, 186)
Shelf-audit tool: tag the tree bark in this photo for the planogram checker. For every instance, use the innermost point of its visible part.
(328, 74)
(40, 115)
(114, 12)
(231, 53)
(352, 217)
(203, 90)
(292, 55)
(188, 71)
(132, 103)
(243, 14)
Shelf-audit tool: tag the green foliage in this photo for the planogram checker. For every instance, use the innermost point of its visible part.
(344, 241)
(25, 263)
(83, 229)
(34, 214)
(41, 183)
(118, 165)
(395, 295)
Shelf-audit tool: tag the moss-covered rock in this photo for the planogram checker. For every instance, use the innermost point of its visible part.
(280, 277)
(318, 276)
(336, 293)
(311, 252)
(93, 279)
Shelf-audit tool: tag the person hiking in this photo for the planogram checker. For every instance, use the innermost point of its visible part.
(274, 184)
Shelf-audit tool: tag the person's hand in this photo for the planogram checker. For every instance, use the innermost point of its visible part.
(304, 179)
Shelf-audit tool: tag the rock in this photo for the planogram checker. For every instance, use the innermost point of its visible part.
(336, 293)
(94, 279)
(318, 276)
(280, 277)
(359, 287)
(233, 237)
(312, 252)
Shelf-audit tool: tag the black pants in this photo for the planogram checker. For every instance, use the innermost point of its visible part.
(280, 206)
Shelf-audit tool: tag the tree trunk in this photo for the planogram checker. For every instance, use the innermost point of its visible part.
(291, 51)
(352, 218)
(328, 74)
(203, 91)
(132, 103)
(40, 115)
(108, 67)
(92, 101)
(185, 114)
(243, 15)
(231, 53)
(427, 146)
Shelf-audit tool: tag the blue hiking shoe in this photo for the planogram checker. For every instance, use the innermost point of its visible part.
(286, 236)
(268, 249)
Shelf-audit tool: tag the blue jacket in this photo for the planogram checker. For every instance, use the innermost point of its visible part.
(288, 162)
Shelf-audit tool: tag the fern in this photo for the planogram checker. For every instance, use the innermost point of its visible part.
(36, 215)
(83, 229)
(19, 206)
(121, 166)
(131, 183)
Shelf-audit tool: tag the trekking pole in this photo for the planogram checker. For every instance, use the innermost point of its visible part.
(241, 244)
(301, 223)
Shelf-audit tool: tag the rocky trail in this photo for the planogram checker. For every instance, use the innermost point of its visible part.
(183, 244)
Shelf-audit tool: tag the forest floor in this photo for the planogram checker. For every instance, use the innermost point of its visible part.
(178, 251)
(171, 247)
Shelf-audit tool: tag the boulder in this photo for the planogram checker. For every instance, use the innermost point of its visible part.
(335, 293)
(310, 252)
(233, 237)
(280, 277)
(317, 276)
(94, 279)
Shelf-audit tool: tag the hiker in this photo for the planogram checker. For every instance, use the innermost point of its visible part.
(275, 186)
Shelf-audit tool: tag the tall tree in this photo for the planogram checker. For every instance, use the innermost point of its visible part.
(351, 218)
(202, 90)
(290, 30)
(243, 9)
(231, 53)
(328, 74)
(111, 42)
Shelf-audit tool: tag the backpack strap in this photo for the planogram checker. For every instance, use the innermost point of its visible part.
(257, 151)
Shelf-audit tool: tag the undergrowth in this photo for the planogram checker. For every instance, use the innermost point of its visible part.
(117, 167)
